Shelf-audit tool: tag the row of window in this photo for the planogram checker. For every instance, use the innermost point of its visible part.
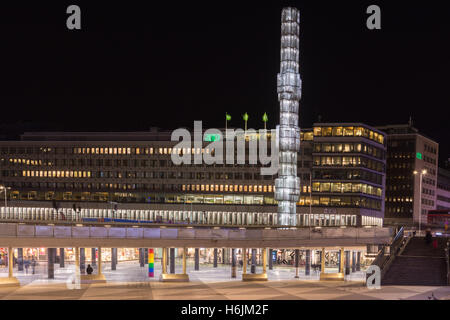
(146, 186)
(349, 147)
(346, 187)
(442, 198)
(429, 160)
(429, 181)
(427, 202)
(334, 201)
(398, 210)
(401, 155)
(399, 199)
(136, 174)
(398, 187)
(428, 191)
(400, 165)
(348, 162)
(429, 149)
(348, 132)
(227, 188)
(347, 175)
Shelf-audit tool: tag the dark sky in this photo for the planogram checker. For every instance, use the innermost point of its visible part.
(133, 66)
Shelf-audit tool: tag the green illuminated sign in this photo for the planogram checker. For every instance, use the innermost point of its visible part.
(419, 155)
(212, 137)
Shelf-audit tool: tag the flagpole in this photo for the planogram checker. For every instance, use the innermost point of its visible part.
(226, 123)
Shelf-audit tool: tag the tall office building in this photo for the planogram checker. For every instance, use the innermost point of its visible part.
(411, 157)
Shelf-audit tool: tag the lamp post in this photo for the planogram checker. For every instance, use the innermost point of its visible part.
(4, 188)
(421, 173)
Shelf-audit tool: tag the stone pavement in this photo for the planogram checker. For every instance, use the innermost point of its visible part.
(130, 281)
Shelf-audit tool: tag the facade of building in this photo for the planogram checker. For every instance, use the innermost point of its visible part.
(443, 190)
(410, 157)
(342, 169)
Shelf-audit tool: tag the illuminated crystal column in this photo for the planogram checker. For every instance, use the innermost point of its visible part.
(287, 185)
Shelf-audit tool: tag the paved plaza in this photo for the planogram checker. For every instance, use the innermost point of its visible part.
(130, 281)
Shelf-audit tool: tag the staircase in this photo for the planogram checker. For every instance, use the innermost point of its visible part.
(419, 265)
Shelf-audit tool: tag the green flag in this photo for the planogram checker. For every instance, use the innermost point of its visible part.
(245, 116)
(265, 118)
(227, 116)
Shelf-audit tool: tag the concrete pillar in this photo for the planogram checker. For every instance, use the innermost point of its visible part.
(264, 260)
(164, 260)
(253, 266)
(354, 261)
(322, 260)
(308, 263)
(172, 260)
(358, 261)
(184, 260)
(10, 262)
(233, 263)
(51, 263)
(197, 259)
(61, 258)
(100, 261)
(77, 258)
(82, 261)
(296, 261)
(270, 259)
(215, 258)
(113, 258)
(341, 260)
(20, 259)
(244, 258)
(141, 257)
(347, 262)
(93, 252)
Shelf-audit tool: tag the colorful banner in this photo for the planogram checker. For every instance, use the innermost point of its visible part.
(151, 260)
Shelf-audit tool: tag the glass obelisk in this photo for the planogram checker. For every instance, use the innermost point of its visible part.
(287, 185)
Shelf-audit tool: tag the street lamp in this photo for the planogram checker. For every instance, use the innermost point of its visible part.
(423, 172)
(4, 188)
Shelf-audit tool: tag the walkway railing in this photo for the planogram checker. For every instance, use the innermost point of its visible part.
(387, 254)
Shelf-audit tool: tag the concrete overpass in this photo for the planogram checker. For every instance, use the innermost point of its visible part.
(38, 235)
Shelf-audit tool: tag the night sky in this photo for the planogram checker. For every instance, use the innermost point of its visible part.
(133, 66)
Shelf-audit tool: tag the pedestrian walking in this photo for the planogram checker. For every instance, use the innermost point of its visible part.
(428, 237)
(26, 264)
(89, 269)
(33, 265)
